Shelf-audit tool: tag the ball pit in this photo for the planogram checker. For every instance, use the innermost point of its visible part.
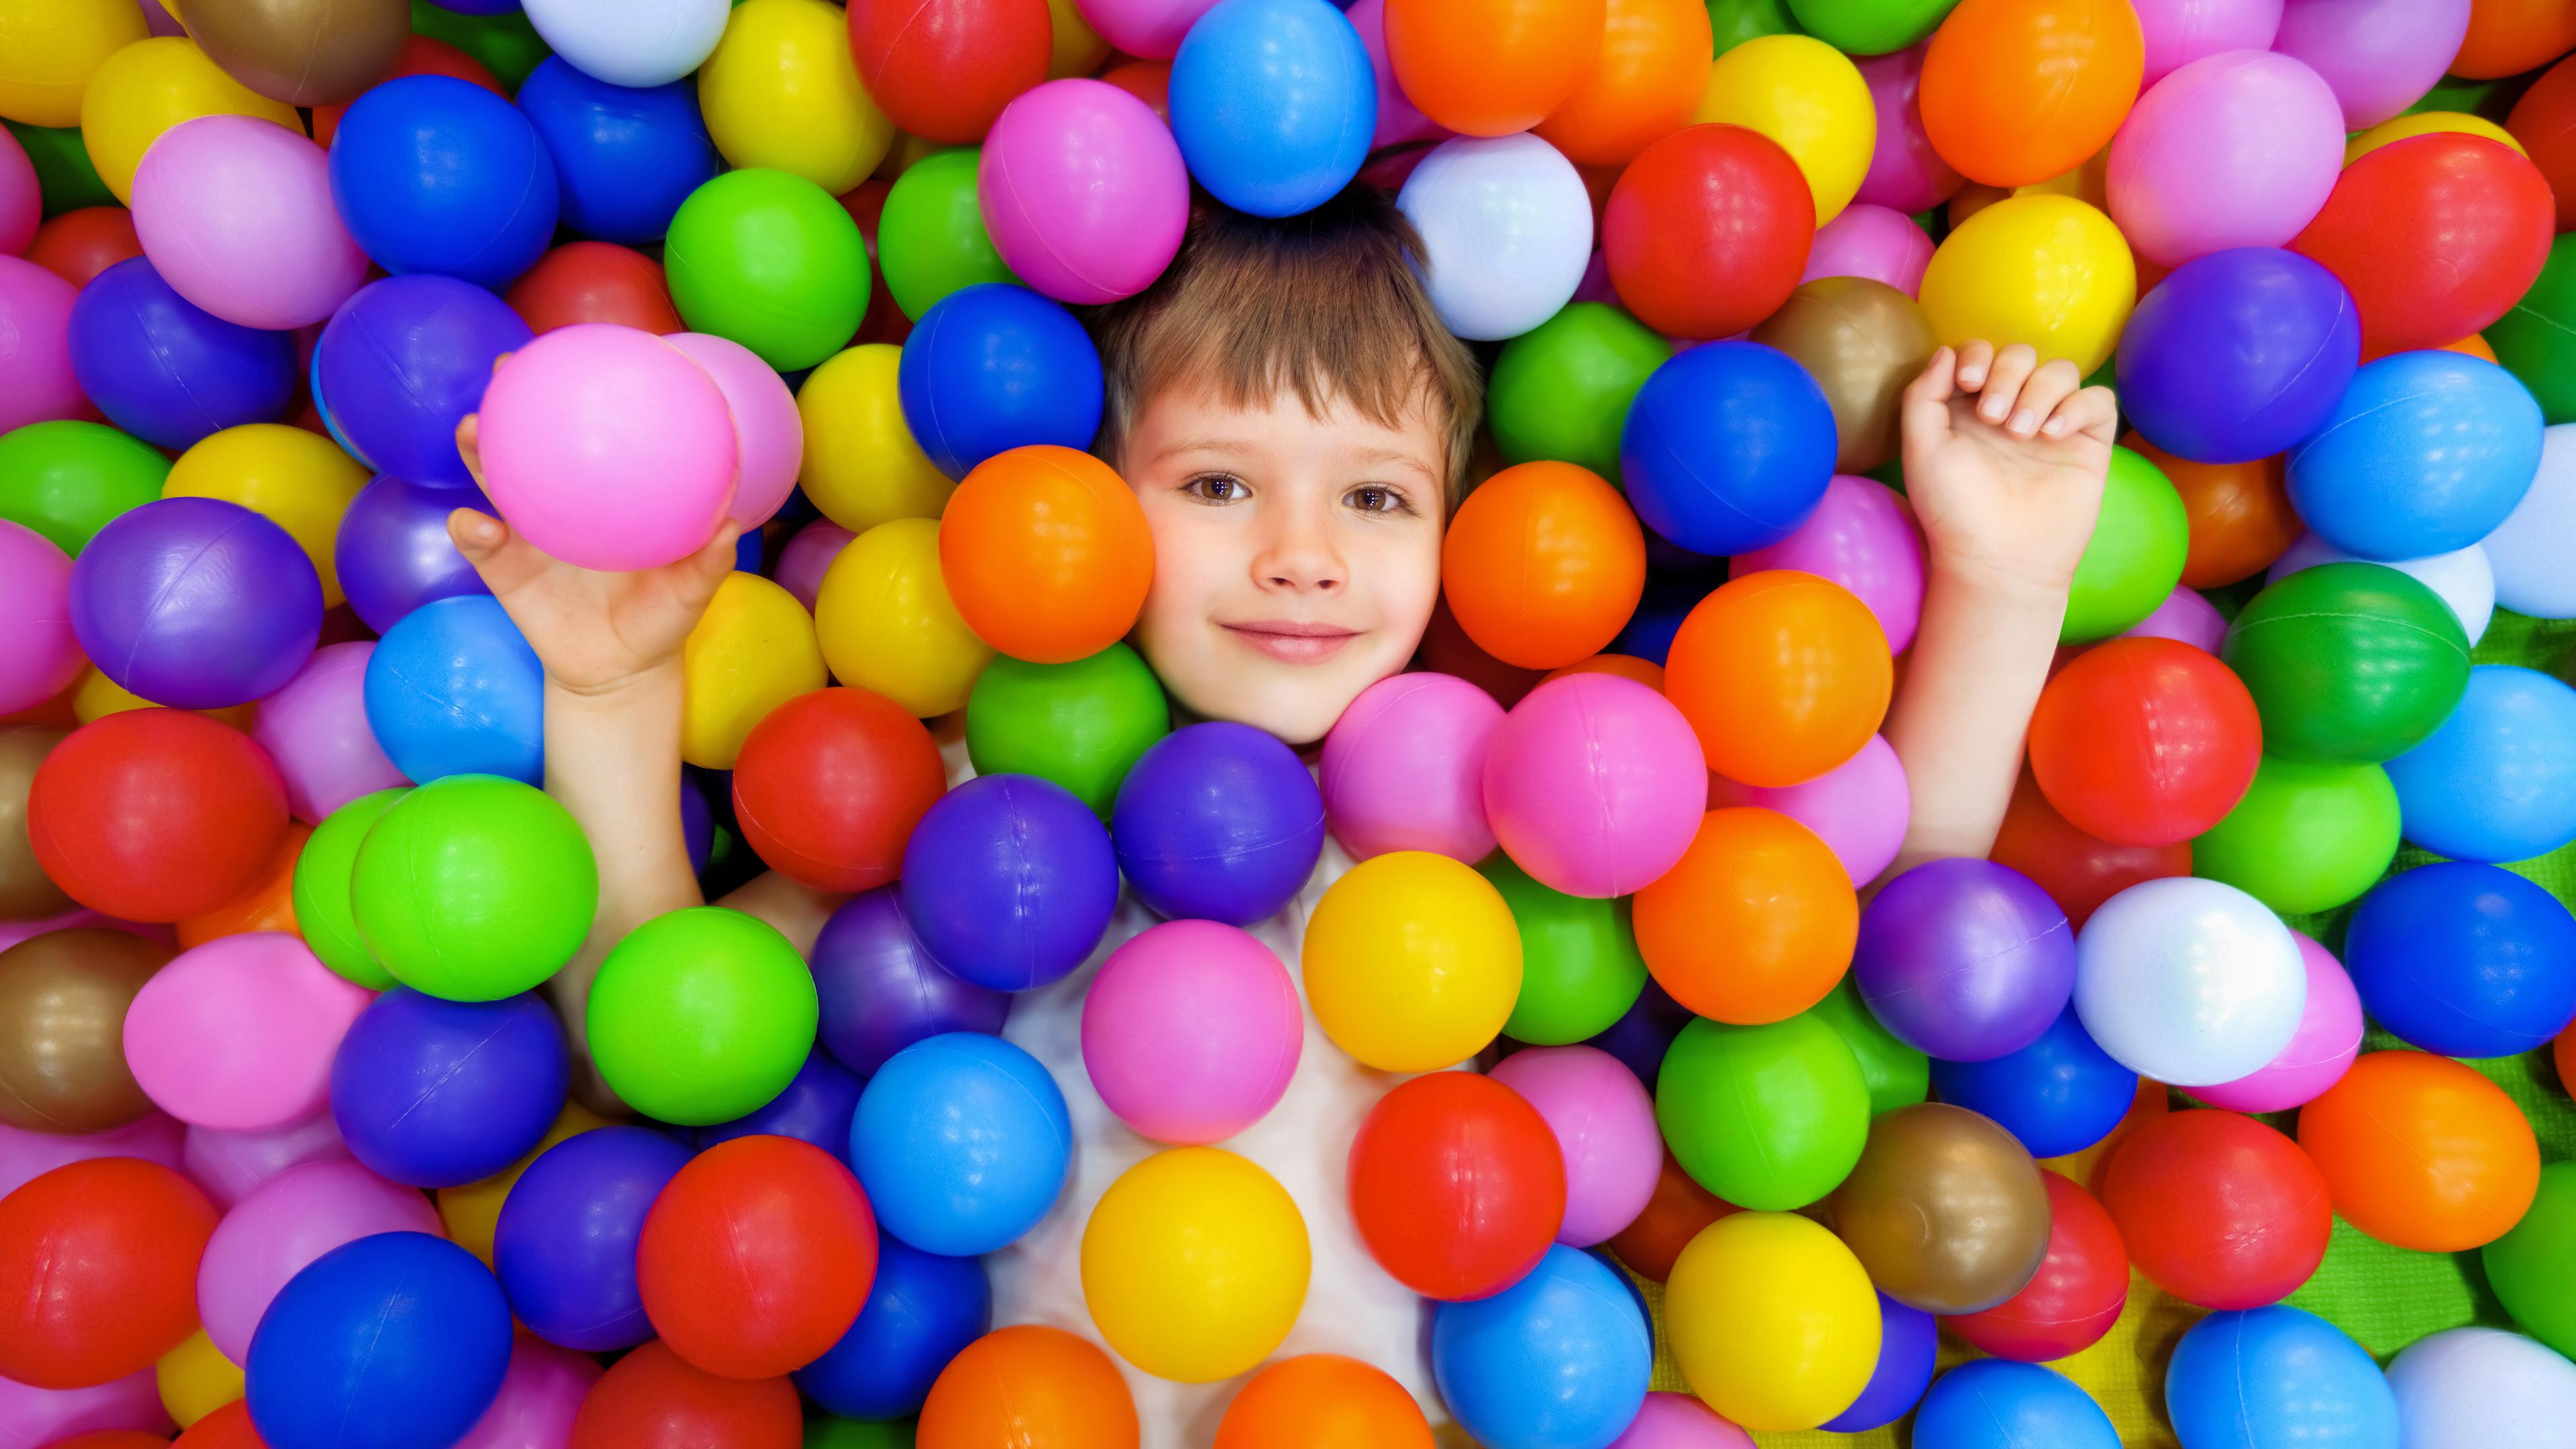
(624, 157)
(153, 815)
(1191, 1031)
(283, 1225)
(2463, 577)
(2060, 1094)
(2145, 742)
(2474, 233)
(799, 1255)
(1083, 189)
(828, 787)
(2489, 785)
(390, 163)
(1322, 1398)
(1412, 962)
(922, 1311)
(1404, 767)
(66, 994)
(241, 1033)
(236, 215)
(1707, 233)
(1965, 960)
(454, 689)
(1593, 784)
(2323, 1049)
(1766, 1117)
(2428, 452)
(2047, 270)
(770, 261)
(998, 367)
(1044, 551)
(1195, 1264)
(473, 888)
(564, 1249)
(1569, 1310)
(2246, 402)
(1907, 1341)
(1997, 1404)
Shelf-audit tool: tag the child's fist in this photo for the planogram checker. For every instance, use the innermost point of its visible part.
(2004, 461)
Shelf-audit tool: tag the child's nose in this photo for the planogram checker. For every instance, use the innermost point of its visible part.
(1300, 559)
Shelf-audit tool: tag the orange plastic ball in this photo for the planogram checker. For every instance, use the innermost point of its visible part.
(98, 1271)
(2508, 37)
(2239, 514)
(1492, 67)
(269, 906)
(1784, 675)
(1755, 924)
(1543, 564)
(1029, 1387)
(1046, 554)
(1673, 1216)
(1627, 666)
(1323, 1401)
(2017, 91)
(1643, 85)
(2422, 1152)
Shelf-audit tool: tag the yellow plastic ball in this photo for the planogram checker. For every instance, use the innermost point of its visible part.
(50, 48)
(297, 480)
(782, 91)
(1773, 1320)
(150, 86)
(862, 467)
(752, 651)
(1194, 1264)
(1807, 96)
(97, 697)
(196, 1379)
(1412, 962)
(2046, 270)
(471, 1212)
(2427, 123)
(1079, 50)
(886, 621)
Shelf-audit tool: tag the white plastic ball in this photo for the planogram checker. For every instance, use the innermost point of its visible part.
(2534, 549)
(633, 43)
(2189, 982)
(1506, 232)
(2463, 577)
(2483, 1388)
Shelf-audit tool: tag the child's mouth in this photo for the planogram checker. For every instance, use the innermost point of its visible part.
(1291, 642)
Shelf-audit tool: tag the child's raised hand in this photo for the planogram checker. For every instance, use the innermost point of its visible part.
(2004, 461)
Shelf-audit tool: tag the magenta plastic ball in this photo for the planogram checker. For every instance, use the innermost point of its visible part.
(1605, 1124)
(540, 1396)
(1863, 537)
(1905, 174)
(1595, 785)
(38, 655)
(1876, 242)
(236, 214)
(2235, 150)
(1404, 768)
(286, 1223)
(1151, 29)
(1191, 1031)
(2380, 56)
(196, 603)
(2319, 1053)
(1398, 118)
(608, 447)
(1859, 808)
(230, 1165)
(239, 1033)
(22, 199)
(155, 1137)
(1083, 191)
(2187, 617)
(767, 427)
(1964, 959)
(1678, 1421)
(316, 730)
(33, 1416)
(2179, 32)
(802, 562)
(36, 382)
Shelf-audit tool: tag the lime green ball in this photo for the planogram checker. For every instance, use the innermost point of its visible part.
(2536, 341)
(1733, 22)
(506, 43)
(2134, 560)
(1081, 725)
(2349, 662)
(65, 175)
(66, 480)
(474, 887)
(1560, 391)
(1580, 971)
(2306, 837)
(931, 240)
(770, 261)
(823, 1431)
(2533, 1267)
(1897, 1074)
(1870, 27)
(1767, 1117)
(321, 889)
(701, 1016)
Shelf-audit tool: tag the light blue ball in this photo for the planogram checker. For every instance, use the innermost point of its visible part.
(1991, 1403)
(962, 1142)
(2427, 452)
(454, 689)
(2497, 781)
(1274, 104)
(1558, 1360)
(2276, 1376)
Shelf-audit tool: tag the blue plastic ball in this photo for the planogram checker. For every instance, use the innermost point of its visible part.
(815, 1108)
(565, 1244)
(2277, 1375)
(403, 362)
(1908, 1338)
(2465, 960)
(395, 1341)
(994, 367)
(1991, 1403)
(2426, 453)
(1727, 448)
(626, 158)
(394, 554)
(1218, 822)
(196, 603)
(435, 174)
(454, 689)
(2238, 355)
(962, 1142)
(433, 1093)
(2497, 781)
(1274, 103)
(1669, 599)
(168, 371)
(1009, 881)
(1560, 1358)
(2060, 1094)
(922, 1309)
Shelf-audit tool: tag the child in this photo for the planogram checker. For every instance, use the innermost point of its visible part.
(1296, 425)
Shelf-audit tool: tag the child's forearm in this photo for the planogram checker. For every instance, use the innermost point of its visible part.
(1975, 671)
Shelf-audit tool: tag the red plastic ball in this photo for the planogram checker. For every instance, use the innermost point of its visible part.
(2218, 1209)
(595, 281)
(78, 245)
(943, 69)
(884, 320)
(757, 1257)
(2073, 1299)
(155, 814)
(1457, 1185)
(2436, 236)
(226, 1428)
(1708, 231)
(653, 1399)
(2145, 742)
(829, 786)
(98, 1271)
(2078, 871)
(2544, 121)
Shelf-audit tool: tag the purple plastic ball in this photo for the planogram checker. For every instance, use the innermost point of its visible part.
(1640, 1038)
(166, 370)
(1907, 1341)
(2239, 355)
(1218, 822)
(404, 361)
(564, 1248)
(815, 1108)
(1009, 880)
(196, 603)
(1965, 960)
(882, 990)
(433, 1093)
(394, 554)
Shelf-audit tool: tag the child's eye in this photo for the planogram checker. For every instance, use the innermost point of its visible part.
(1215, 488)
(1378, 498)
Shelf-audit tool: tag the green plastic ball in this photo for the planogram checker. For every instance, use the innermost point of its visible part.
(321, 889)
(1560, 391)
(2536, 341)
(2349, 662)
(1081, 725)
(1897, 1074)
(2306, 837)
(1767, 1117)
(1870, 27)
(65, 176)
(473, 888)
(824, 1431)
(2134, 560)
(931, 239)
(2533, 1267)
(770, 261)
(701, 1016)
(67, 480)
(1580, 970)
(1733, 22)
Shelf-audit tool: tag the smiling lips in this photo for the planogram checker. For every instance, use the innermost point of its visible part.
(1291, 642)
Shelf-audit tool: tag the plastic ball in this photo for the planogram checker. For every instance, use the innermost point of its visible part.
(474, 888)
(540, 1399)
(1194, 1264)
(195, 1380)
(1673, 1216)
(2235, 150)
(1322, 1398)
(1859, 808)
(454, 689)
(43, 369)
(1045, 552)
(862, 467)
(2218, 1210)
(2328, 1039)
(1543, 564)
(1033, 1383)
(2189, 982)
(435, 1093)
(828, 787)
(298, 481)
(2041, 269)
(1411, 962)
(2379, 56)
(1083, 190)
(1010, 881)
(2464, 959)
(2521, 551)
(240, 1033)
(1404, 768)
(1581, 970)
(304, 54)
(66, 480)
(2349, 662)
(701, 1015)
(2135, 557)
(144, 89)
(1906, 172)
(196, 602)
(2427, 452)
(2306, 837)
(153, 815)
(155, 365)
(2528, 340)
(2422, 1152)
(770, 261)
(564, 1248)
(1802, 93)
(286, 1223)
(2145, 741)
(1458, 1185)
(2480, 1386)
(1604, 1124)
(404, 362)
(1082, 724)
(594, 281)
(1560, 391)
(405, 1328)
(1754, 924)
(653, 44)
(944, 69)
(417, 55)
(1783, 676)
(1767, 1117)
(438, 175)
(922, 1311)
(1594, 786)
(237, 217)
(2497, 780)
(1560, 1357)
(1965, 960)
(65, 994)
(2076, 1296)
(45, 656)
(997, 367)
(1707, 233)
(931, 236)
(1191, 1031)
(25, 1156)
(1773, 1321)
(781, 90)
(2529, 1267)
(2436, 236)
(325, 913)
(752, 652)
(1896, 1075)
(798, 1256)
(62, 46)
(1944, 1209)
(2015, 92)
(1506, 232)
(2293, 341)
(962, 1143)
(654, 1399)
(1863, 341)
(1273, 103)
(2463, 577)
(1640, 87)
(99, 1261)
(1492, 67)
(768, 432)
(1907, 1341)
(1997, 1404)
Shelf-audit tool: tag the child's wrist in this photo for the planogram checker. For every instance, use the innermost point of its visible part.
(648, 685)
(1998, 585)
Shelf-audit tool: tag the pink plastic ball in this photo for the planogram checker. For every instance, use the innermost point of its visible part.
(22, 198)
(25, 1156)
(1083, 191)
(1147, 29)
(1678, 1421)
(1398, 119)
(1860, 807)
(1404, 768)
(1191, 1031)
(239, 1032)
(1595, 785)
(802, 562)
(286, 1223)
(1905, 173)
(1876, 242)
(38, 655)
(540, 1396)
(1863, 537)
(316, 729)
(1605, 1124)
(2380, 56)
(230, 1165)
(36, 382)
(767, 427)
(2179, 32)
(2319, 1053)
(2187, 617)
(236, 214)
(32, 1416)
(608, 448)
(2236, 150)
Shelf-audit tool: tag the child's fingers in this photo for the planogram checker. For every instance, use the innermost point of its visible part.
(1927, 397)
(2092, 410)
(2053, 383)
(469, 438)
(2013, 367)
(1975, 356)
(505, 561)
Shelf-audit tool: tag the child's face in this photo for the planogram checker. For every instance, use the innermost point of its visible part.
(1296, 558)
